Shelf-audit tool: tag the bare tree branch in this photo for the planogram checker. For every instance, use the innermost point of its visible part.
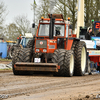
(23, 23)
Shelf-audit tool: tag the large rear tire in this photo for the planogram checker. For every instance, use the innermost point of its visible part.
(80, 58)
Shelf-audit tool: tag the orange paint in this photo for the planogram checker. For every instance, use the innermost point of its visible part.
(69, 44)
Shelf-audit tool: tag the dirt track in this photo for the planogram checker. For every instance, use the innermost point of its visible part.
(48, 87)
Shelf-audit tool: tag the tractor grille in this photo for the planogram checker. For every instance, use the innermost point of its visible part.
(51, 46)
(41, 43)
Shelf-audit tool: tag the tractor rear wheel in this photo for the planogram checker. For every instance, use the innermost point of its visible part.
(80, 58)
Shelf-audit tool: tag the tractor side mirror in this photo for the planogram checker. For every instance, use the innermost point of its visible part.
(33, 25)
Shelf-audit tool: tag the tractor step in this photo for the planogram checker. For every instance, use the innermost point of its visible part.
(45, 67)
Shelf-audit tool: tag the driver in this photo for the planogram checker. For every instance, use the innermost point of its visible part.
(58, 31)
(89, 34)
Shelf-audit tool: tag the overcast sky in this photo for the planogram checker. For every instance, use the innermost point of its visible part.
(18, 7)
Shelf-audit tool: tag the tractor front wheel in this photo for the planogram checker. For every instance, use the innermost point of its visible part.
(69, 63)
(23, 55)
(65, 60)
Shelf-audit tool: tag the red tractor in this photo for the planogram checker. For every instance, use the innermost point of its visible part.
(55, 49)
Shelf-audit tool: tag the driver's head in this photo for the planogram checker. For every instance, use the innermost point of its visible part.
(57, 33)
(90, 30)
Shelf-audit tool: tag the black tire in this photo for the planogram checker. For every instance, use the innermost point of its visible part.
(30, 44)
(55, 56)
(98, 68)
(74, 45)
(61, 59)
(68, 69)
(14, 60)
(12, 49)
(55, 59)
(11, 52)
(80, 58)
(23, 55)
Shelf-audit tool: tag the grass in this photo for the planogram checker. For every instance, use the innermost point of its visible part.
(6, 69)
(1, 59)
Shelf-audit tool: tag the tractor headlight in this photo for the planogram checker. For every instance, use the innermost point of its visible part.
(44, 50)
(37, 50)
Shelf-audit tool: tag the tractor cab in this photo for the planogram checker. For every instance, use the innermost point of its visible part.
(52, 34)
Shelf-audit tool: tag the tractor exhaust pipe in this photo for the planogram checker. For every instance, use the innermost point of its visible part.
(51, 28)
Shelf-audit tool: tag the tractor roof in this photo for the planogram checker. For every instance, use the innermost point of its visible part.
(56, 16)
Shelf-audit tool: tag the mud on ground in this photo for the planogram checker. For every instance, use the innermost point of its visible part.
(4, 62)
(48, 87)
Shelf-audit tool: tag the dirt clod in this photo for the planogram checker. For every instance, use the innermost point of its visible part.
(87, 96)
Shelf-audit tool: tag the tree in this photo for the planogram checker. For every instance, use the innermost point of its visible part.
(2, 18)
(11, 32)
(88, 12)
(43, 9)
(97, 10)
(65, 7)
(23, 24)
(68, 9)
(61, 8)
(2, 14)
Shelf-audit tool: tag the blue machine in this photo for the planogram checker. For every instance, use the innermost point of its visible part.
(24, 41)
(3, 49)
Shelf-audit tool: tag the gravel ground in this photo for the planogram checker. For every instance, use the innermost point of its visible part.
(48, 87)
